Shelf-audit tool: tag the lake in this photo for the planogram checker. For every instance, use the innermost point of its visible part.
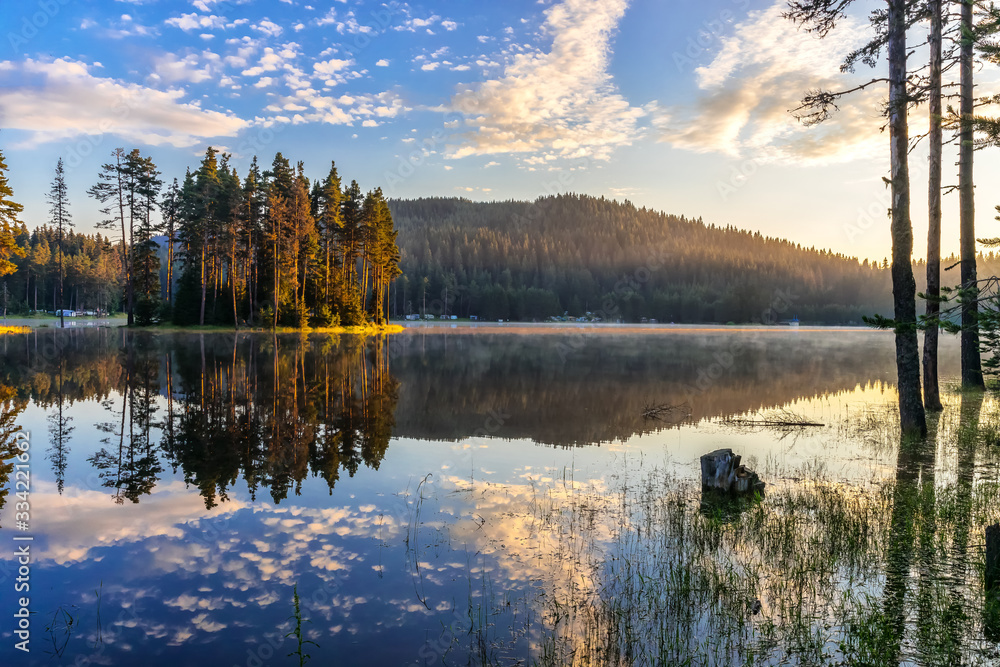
(494, 495)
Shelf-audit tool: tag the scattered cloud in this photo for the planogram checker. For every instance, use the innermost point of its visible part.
(191, 22)
(171, 68)
(562, 100)
(382, 63)
(762, 70)
(269, 28)
(62, 99)
(273, 59)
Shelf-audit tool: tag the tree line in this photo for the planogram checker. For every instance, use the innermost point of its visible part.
(574, 253)
(269, 249)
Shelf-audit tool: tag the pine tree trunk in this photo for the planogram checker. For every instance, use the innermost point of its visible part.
(911, 408)
(276, 278)
(62, 315)
(232, 280)
(170, 267)
(932, 396)
(972, 371)
(204, 285)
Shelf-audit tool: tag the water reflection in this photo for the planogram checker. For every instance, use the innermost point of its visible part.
(214, 484)
(270, 410)
(10, 407)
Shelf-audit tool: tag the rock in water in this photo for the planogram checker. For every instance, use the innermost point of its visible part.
(721, 471)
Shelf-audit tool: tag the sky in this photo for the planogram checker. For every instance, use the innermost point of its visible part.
(674, 105)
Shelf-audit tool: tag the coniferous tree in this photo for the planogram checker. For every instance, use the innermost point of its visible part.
(113, 190)
(253, 203)
(932, 396)
(8, 222)
(822, 16)
(972, 371)
(170, 209)
(306, 244)
(200, 225)
(59, 216)
(329, 218)
(145, 250)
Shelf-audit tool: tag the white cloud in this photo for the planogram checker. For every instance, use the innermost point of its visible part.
(171, 69)
(761, 71)
(430, 67)
(272, 60)
(382, 63)
(449, 25)
(189, 22)
(330, 67)
(57, 100)
(349, 25)
(206, 5)
(563, 100)
(411, 24)
(314, 107)
(269, 28)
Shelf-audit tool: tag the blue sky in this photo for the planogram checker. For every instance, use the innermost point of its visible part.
(678, 106)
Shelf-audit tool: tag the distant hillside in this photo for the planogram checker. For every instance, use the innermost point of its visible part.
(522, 260)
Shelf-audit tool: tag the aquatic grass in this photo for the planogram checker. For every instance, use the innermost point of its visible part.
(816, 572)
(297, 631)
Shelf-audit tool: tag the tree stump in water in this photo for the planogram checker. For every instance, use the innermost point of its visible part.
(721, 471)
(991, 611)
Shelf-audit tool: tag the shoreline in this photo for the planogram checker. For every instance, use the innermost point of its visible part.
(24, 324)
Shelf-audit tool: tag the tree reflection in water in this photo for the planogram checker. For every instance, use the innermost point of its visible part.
(267, 409)
(10, 407)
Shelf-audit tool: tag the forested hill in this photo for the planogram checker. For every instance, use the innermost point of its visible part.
(575, 253)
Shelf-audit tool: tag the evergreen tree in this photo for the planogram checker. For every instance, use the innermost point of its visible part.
(170, 209)
(329, 218)
(60, 217)
(8, 222)
(145, 250)
(113, 189)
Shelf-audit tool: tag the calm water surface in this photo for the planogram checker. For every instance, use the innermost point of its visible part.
(450, 496)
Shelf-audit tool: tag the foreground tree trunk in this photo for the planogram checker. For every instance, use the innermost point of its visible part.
(932, 397)
(904, 290)
(972, 370)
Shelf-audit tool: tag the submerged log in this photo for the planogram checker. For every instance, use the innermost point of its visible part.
(721, 471)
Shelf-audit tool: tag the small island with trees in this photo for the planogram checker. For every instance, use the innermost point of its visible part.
(271, 249)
